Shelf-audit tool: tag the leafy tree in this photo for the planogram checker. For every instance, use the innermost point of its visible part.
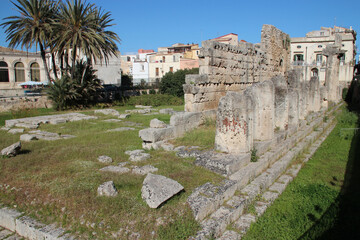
(126, 80)
(33, 27)
(172, 83)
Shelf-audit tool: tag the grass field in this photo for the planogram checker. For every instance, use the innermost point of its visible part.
(56, 181)
(323, 200)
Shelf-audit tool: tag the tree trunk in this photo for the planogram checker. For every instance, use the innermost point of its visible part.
(73, 62)
(47, 73)
(54, 66)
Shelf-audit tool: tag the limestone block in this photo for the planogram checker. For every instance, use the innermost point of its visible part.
(115, 169)
(156, 134)
(29, 228)
(27, 137)
(166, 111)
(12, 150)
(121, 129)
(16, 130)
(108, 111)
(234, 123)
(144, 170)
(139, 157)
(157, 189)
(123, 116)
(107, 189)
(156, 123)
(8, 217)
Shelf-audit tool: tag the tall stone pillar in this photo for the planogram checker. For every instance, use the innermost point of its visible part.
(264, 110)
(234, 123)
(281, 103)
(314, 98)
(333, 52)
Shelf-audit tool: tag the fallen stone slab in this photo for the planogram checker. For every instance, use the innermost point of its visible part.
(134, 152)
(12, 150)
(5, 128)
(105, 159)
(107, 189)
(144, 170)
(8, 217)
(166, 111)
(33, 122)
(121, 129)
(27, 137)
(157, 189)
(139, 157)
(139, 111)
(143, 107)
(123, 116)
(115, 169)
(49, 136)
(108, 111)
(112, 120)
(16, 130)
(156, 123)
(132, 124)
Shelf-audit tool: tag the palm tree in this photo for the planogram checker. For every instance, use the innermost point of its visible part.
(81, 29)
(33, 27)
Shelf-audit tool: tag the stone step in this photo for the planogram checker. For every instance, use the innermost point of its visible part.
(258, 178)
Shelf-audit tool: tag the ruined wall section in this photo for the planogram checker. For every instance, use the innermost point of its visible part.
(225, 67)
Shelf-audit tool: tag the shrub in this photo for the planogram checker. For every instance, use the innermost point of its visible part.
(254, 156)
(79, 92)
(172, 83)
(144, 92)
(152, 91)
(126, 80)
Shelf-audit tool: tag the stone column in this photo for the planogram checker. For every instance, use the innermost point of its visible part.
(234, 123)
(264, 110)
(281, 103)
(314, 95)
(333, 52)
(293, 97)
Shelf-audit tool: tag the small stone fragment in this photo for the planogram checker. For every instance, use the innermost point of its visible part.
(107, 189)
(139, 157)
(107, 112)
(121, 129)
(123, 116)
(144, 170)
(115, 169)
(12, 150)
(105, 159)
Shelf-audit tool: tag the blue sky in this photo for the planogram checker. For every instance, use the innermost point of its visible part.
(151, 24)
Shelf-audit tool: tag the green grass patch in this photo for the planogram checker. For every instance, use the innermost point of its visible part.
(56, 181)
(312, 203)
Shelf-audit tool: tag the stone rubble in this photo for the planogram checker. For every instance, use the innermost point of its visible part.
(105, 159)
(108, 111)
(12, 150)
(144, 170)
(107, 189)
(123, 116)
(16, 130)
(43, 135)
(137, 155)
(112, 120)
(157, 189)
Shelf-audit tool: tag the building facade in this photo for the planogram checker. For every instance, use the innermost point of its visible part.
(17, 67)
(307, 53)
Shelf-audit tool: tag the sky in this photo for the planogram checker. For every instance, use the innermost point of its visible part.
(159, 23)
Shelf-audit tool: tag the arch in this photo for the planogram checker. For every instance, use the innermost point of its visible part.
(314, 72)
(35, 72)
(4, 72)
(19, 72)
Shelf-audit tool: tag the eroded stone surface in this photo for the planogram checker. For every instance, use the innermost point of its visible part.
(157, 189)
(105, 159)
(107, 189)
(121, 129)
(144, 170)
(109, 111)
(16, 130)
(156, 123)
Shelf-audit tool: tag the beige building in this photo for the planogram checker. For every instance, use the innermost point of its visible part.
(17, 67)
(307, 52)
(170, 59)
(230, 38)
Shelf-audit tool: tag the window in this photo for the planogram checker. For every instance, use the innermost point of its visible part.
(19, 72)
(156, 71)
(342, 59)
(319, 46)
(35, 72)
(163, 58)
(128, 59)
(314, 72)
(171, 69)
(298, 46)
(4, 72)
(319, 58)
(174, 58)
(142, 67)
(321, 33)
(298, 57)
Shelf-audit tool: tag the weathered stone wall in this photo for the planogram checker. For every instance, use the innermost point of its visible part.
(225, 67)
(21, 103)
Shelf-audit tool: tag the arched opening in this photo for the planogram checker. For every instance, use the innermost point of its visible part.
(4, 72)
(35, 72)
(19, 72)
(314, 72)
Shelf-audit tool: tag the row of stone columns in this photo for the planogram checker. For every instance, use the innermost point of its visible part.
(256, 113)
